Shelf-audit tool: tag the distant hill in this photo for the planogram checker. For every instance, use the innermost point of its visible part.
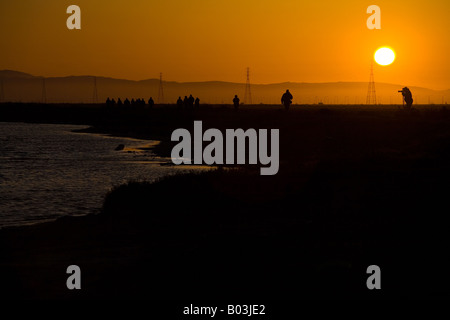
(23, 87)
(8, 74)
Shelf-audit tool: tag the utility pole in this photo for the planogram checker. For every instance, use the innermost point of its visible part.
(248, 92)
(371, 94)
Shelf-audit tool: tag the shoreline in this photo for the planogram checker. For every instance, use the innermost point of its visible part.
(153, 145)
(147, 145)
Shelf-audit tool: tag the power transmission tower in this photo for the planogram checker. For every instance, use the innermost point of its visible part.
(160, 91)
(44, 92)
(371, 94)
(2, 92)
(248, 92)
(95, 95)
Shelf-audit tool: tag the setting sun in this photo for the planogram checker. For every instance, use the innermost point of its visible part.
(384, 56)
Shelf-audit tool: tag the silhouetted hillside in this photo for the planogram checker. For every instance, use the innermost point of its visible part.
(8, 74)
(22, 87)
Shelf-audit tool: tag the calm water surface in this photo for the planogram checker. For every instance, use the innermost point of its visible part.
(47, 171)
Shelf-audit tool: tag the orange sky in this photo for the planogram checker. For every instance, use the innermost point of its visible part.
(198, 40)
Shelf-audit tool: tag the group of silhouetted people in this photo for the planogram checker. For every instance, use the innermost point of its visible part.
(191, 102)
(126, 102)
(188, 102)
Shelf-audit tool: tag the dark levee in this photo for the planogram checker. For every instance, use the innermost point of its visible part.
(357, 186)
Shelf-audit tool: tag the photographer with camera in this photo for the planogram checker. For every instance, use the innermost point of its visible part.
(407, 97)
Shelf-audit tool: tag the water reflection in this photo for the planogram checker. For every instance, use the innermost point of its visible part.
(47, 171)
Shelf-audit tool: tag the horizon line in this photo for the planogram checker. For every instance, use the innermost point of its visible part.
(209, 81)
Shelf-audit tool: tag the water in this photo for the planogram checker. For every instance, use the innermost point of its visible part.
(48, 171)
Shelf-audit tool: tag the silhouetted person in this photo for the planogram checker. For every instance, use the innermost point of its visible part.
(119, 102)
(151, 103)
(143, 102)
(407, 97)
(236, 102)
(191, 101)
(197, 102)
(126, 102)
(286, 99)
(186, 102)
(113, 102)
(180, 103)
(108, 102)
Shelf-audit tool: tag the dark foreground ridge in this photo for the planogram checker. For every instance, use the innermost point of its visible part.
(356, 187)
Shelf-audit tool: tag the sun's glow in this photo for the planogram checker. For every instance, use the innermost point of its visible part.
(384, 56)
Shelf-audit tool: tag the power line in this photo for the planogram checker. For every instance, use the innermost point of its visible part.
(160, 91)
(248, 92)
(371, 94)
